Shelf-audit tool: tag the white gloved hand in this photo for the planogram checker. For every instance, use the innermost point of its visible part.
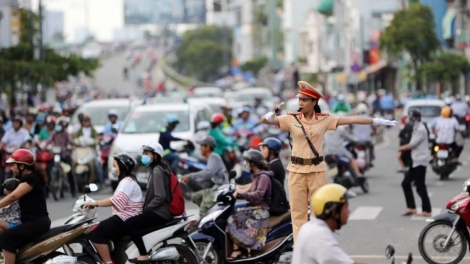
(270, 116)
(384, 122)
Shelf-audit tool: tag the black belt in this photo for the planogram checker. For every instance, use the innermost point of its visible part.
(302, 161)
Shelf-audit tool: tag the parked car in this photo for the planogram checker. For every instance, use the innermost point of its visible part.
(208, 92)
(430, 109)
(215, 103)
(98, 111)
(248, 95)
(143, 125)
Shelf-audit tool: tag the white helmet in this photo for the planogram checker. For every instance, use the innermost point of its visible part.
(154, 147)
(448, 101)
(362, 108)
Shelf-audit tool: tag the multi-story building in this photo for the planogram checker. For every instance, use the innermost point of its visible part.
(10, 23)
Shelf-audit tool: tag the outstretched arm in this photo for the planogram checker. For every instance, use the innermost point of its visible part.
(359, 120)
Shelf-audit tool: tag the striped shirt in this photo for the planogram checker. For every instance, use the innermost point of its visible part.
(127, 199)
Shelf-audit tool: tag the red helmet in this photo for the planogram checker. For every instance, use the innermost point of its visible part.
(50, 119)
(21, 156)
(217, 118)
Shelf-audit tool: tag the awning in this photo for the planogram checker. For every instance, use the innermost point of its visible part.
(375, 67)
(326, 7)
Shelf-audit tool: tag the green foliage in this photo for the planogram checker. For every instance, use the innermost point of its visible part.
(26, 26)
(445, 67)
(411, 31)
(202, 50)
(254, 65)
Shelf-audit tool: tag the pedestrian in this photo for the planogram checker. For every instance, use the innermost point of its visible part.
(307, 128)
(419, 146)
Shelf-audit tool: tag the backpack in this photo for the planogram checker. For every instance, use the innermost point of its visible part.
(279, 203)
(176, 204)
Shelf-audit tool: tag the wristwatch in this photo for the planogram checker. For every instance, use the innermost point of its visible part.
(96, 204)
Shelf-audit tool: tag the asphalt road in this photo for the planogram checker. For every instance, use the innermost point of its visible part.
(375, 219)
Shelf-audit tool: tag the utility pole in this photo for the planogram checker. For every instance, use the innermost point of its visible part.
(224, 9)
(273, 29)
(41, 44)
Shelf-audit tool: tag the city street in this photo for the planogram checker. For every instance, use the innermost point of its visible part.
(375, 219)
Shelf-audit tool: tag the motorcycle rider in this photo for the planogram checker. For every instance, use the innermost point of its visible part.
(18, 136)
(222, 145)
(166, 138)
(30, 193)
(229, 120)
(445, 129)
(459, 107)
(341, 105)
(89, 133)
(114, 124)
(48, 129)
(64, 140)
(364, 133)
(244, 122)
(30, 125)
(331, 208)
(126, 202)
(211, 177)
(270, 148)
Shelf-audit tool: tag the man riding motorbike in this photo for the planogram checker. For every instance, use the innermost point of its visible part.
(18, 136)
(211, 177)
(244, 122)
(459, 107)
(341, 105)
(445, 129)
(48, 129)
(331, 208)
(113, 121)
(170, 155)
(364, 133)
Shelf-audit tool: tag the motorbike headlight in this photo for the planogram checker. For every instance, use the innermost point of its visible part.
(210, 217)
(456, 205)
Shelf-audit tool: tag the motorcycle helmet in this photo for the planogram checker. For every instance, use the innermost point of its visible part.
(446, 112)
(21, 156)
(415, 115)
(329, 199)
(154, 147)
(11, 184)
(272, 143)
(362, 108)
(253, 156)
(172, 119)
(126, 161)
(217, 118)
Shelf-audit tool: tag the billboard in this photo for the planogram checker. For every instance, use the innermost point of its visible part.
(164, 11)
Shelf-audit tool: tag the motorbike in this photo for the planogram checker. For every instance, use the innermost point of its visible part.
(105, 144)
(443, 164)
(450, 231)
(361, 153)
(463, 125)
(213, 246)
(83, 160)
(47, 246)
(43, 154)
(390, 254)
(59, 170)
(343, 176)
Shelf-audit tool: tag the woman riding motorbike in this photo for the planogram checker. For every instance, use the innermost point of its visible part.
(30, 193)
(126, 202)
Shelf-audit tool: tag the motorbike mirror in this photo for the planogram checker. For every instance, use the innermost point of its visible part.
(232, 174)
(91, 188)
(389, 251)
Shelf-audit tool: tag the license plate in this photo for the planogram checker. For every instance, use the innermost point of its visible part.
(463, 127)
(442, 154)
(361, 154)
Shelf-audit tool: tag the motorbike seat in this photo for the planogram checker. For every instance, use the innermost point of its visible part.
(146, 231)
(276, 220)
(51, 233)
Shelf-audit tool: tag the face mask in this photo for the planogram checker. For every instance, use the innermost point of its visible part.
(145, 160)
(58, 128)
(114, 172)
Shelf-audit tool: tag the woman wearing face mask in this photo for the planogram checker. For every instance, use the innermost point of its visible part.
(248, 226)
(155, 210)
(222, 145)
(126, 202)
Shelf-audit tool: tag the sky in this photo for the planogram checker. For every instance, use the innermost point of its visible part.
(104, 17)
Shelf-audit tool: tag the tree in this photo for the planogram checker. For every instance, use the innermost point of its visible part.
(203, 51)
(58, 37)
(412, 31)
(445, 68)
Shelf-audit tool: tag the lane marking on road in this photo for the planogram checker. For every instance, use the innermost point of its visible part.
(435, 211)
(365, 213)
(383, 257)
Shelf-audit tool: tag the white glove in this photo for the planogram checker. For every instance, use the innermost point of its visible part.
(384, 122)
(270, 116)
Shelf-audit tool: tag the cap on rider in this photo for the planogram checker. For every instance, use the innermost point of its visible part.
(446, 112)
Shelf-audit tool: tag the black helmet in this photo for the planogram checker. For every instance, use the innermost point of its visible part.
(11, 184)
(18, 119)
(415, 115)
(253, 156)
(126, 160)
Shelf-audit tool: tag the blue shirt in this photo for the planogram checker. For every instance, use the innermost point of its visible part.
(166, 138)
(244, 125)
(108, 128)
(387, 102)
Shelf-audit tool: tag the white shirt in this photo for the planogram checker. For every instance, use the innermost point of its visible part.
(316, 244)
(86, 132)
(445, 130)
(16, 138)
(459, 108)
(127, 199)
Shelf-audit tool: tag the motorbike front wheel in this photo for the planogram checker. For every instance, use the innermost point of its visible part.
(56, 183)
(436, 234)
(213, 255)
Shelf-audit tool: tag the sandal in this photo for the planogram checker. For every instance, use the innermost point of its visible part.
(408, 212)
(238, 256)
